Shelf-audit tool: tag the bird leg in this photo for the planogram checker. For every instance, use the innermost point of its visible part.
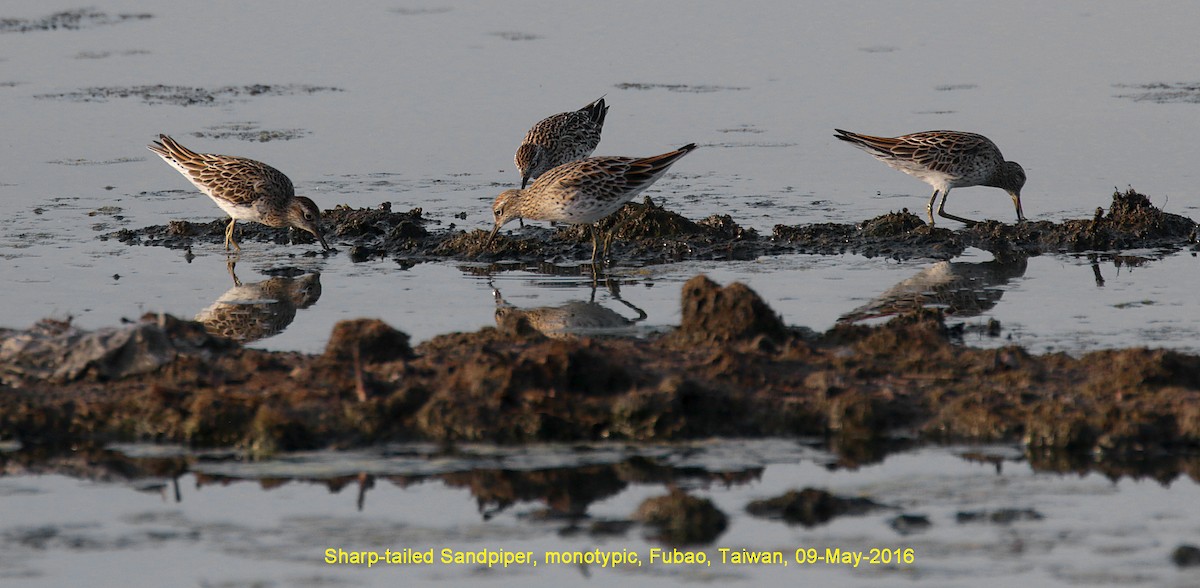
(229, 236)
(612, 232)
(594, 229)
(230, 264)
(942, 212)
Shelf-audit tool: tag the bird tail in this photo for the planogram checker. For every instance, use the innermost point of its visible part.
(649, 169)
(167, 147)
(597, 111)
(869, 143)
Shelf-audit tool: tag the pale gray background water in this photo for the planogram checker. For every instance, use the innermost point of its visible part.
(436, 96)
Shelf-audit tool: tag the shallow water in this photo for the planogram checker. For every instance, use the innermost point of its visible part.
(422, 105)
(220, 522)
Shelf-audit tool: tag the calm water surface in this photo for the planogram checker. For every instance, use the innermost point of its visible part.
(422, 105)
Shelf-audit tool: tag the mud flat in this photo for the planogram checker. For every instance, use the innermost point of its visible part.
(732, 368)
(647, 233)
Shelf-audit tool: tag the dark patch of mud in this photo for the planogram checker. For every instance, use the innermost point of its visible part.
(1186, 556)
(249, 131)
(1126, 412)
(70, 20)
(687, 88)
(810, 507)
(422, 11)
(187, 95)
(76, 162)
(1002, 516)
(516, 36)
(954, 87)
(1163, 92)
(107, 54)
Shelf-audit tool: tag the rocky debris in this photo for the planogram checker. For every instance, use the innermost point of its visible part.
(681, 519)
(55, 352)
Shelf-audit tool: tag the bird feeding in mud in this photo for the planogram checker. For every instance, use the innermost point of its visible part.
(245, 189)
(945, 160)
(584, 191)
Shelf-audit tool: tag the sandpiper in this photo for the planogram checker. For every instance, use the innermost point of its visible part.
(584, 191)
(558, 139)
(945, 160)
(245, 189)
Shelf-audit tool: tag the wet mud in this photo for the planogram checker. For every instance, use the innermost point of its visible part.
(647, 233)
(73, 20)
(186, 95)
(249, 131)
(1162, 92)
(810, 507)
(732, 368)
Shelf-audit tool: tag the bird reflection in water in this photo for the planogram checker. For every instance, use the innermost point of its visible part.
(249, 312)
(960, 289)
(575, 318)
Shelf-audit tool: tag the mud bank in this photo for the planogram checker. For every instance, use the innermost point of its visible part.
(647, 233)
(731, 369)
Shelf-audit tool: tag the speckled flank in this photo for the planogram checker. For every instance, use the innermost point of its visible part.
(945, 160)
(245, 189)
(584, 191)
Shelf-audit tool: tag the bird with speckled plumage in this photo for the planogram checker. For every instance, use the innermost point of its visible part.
(945, 160)
(559, 139)
(245, 189)
(584, 191)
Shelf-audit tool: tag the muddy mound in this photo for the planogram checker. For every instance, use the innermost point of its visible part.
(367, 340)
(1128, 411)
(897, 234)
(647, 233)
(1132, 222)
(712, 314)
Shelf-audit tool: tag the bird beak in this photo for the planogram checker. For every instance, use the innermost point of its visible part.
(524, 181)
(316, 232)
(491, 236)
(1016, 198)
